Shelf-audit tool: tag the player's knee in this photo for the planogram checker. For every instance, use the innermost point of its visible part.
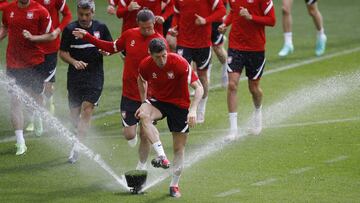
(232, 86)
(312, 11)
(286, 11)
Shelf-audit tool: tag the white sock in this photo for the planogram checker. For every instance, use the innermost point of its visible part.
(19, 137)
(202, 105)
(258, 109)
(133, 142)
(321, 33)
(225, 66)
(288, 38)
(159, 148)
(175, 181)
(141, 166)
(208, 73)
(233, 121)
(76, 146)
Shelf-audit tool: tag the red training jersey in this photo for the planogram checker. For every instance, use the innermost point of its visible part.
(113, 2)
(3, 4)
(169, 83)
(221, 19)
(129, 17)
(249, 35)
(136, 47)
(55, 7)
(21, 53)
(190, 34)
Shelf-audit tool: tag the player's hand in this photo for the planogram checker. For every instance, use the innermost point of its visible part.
(245, 13)
(137, 113)
(133, 6)
(79, 65)
(191, 118)
(222, 28)
(111, 10)
(56, 33)
(27, 35)
(159, 19)
(173, 31)
(199, 20)
(104, 53)
(79, 33)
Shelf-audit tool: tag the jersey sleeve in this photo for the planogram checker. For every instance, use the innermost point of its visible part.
(63, 8)
(45, 24)
(66, 40)
(142, 68)
(122, 9)
(268, 17)
(218, 11)
(113, 2)
(111, 47)
(169, 9)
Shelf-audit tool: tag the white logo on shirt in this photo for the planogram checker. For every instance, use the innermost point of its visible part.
(46, 2)
(250, 1)
(154, 75)
(12, 14)
(180, 52)
(170, 75)
(97, 34)
(132, 43)
(29, 15)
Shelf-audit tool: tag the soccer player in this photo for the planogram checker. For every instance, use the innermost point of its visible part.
(217, 40)
(128, 9)
(192, 26)
(135, 42)
(314, 12)
(51, 48)
(168, 75)
(247, 50)
(24, 59)
(85, 78)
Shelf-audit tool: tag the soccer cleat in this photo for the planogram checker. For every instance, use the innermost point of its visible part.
(20, 149)
(175, 192)
(161, 161)
(38, 127)
(74, 156)
(286, 50)
(133, 142)
(256, 127)
(320, 45)
(200, 117)
(30, 127)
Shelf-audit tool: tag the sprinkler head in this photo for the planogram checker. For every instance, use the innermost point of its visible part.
(135, 180)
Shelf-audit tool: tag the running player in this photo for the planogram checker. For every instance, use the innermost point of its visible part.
(24, 59)
(168, 75)
(85, 77)
(135, 42)
(314, 12)
(247, 50)
(192, 26)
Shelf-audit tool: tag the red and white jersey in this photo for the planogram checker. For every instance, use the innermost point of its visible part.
(170, 83)
(249, 35)
(221, 19)
(113, 2)
(21, 53)
(129, 17)
(136, 47)
(190, 34)
(55, 7)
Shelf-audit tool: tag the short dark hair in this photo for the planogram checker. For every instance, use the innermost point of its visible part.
(157, 45)
(86, 4)
(145, 15)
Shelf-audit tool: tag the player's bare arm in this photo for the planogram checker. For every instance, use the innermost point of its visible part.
(222, 28)
(199, 91)
(41, 38)
(3, 32)
(79, 33)
(79, 65)
(245, 13)
(133, 6)
(142, 86)
(200, 20)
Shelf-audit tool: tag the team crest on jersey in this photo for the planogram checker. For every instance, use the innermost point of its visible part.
(180, 52)
(97, 34)
(250, 1)
(132, 43)
(29, 15)
(123, 114)
(46, 2)
(170, 75)
(12, 14)
(154, 75)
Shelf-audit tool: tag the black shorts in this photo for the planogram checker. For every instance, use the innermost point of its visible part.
(176, 117)
(128, 108)
(216, 37)
(201, 56)
(253, 61)
(309, 2)
(28, 78)
(77, 95)
(49, 68)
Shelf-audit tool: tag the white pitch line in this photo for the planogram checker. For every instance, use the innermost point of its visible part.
(269, 72)
(301, 170)
(227, 193)
(337, 159)
(324, 122)
(264, 182)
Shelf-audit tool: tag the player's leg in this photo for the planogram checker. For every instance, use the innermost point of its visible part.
(220, 52)
(179, 142)
(318, 21)
(288, 46)
(144, 150)
(128, 108)
(50, 63)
